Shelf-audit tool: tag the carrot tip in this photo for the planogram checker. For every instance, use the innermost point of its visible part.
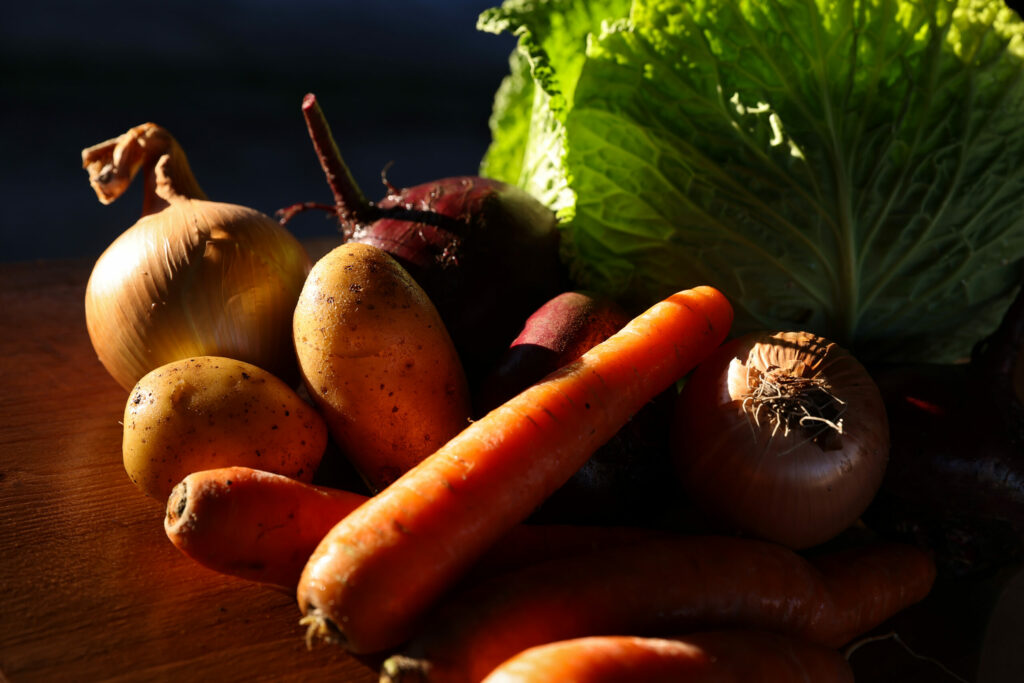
(319, 627)
(177, 503)
(404, 669)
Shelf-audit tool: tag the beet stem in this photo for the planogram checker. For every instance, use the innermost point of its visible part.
(351, 203)
(289, 212)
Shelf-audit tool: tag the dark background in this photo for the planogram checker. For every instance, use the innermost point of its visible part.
(404, 81)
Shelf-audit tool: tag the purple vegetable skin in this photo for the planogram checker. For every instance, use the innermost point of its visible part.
(486, 253)
(955, 481)
(625, 480)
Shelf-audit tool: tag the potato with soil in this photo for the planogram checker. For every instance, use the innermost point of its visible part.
(206, 412)
(378, 361)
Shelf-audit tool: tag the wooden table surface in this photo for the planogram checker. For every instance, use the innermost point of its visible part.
(92, 590)
(90, 587)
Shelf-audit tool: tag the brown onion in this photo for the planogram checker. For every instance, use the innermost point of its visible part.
(782, 436)
(192, 277)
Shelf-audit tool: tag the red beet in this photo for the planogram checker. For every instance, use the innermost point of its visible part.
(955, 480)
(626, 480)
(955, 477)
(485, 252)
(558, 332)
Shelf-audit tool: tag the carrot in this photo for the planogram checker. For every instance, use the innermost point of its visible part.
(377, 572)
(712, 657)
(263, 527)
(252, 524)
(527, 544)
(664, 586)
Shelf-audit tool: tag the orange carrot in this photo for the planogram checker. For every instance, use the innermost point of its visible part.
(659, 586)
(527, 544)
(712, 657)
(252, 524)
(263, 527)
(377, 572)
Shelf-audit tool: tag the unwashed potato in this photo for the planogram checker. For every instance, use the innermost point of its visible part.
(378, 361)
(206, 412)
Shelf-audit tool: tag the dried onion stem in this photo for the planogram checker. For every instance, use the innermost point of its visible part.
(790, 401)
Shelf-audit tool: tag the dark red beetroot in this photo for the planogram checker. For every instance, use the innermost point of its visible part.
(956, 467)
(485, 252)
(955, 478)
(558, 332)
(625, 481)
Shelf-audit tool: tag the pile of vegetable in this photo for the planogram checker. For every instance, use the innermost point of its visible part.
(666, 394)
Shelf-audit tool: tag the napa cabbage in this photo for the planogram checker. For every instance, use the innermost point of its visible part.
(849, 167)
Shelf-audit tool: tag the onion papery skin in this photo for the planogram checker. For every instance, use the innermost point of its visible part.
(197, 278)
(779, 487)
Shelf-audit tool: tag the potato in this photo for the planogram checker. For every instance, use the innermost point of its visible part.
(206, 412)
(378, 361)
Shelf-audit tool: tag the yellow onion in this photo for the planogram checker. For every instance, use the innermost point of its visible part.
(192, 277)
(783, 436)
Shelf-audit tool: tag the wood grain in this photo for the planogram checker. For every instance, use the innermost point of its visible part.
(91, 590)
(90, 587)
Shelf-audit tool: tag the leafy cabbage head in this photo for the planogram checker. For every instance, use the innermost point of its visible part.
(849, 167)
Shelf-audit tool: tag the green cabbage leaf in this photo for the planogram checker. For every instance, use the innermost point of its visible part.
(849, 167)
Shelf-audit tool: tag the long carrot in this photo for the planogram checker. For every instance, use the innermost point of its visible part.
(711, 657)
(664, 586)
(252, 524)
(526, 544)
(263, 527)
(377, 572)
